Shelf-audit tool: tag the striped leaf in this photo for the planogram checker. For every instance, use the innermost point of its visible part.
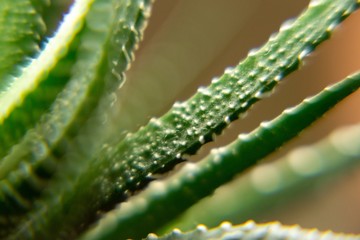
(22, 29)
(31, 94)
(111, 27)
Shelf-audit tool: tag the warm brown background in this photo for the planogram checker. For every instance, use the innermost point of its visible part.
(188, 42)
(335, 208)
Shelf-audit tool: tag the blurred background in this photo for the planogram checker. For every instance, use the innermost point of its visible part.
(188, 42)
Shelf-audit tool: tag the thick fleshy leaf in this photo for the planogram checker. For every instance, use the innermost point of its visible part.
(252, 231)
(22, 29)
(31, 94)
(168, 63)
(190, 124)
(111, 32)
(269, 185)
(123, 168)
(155, 206)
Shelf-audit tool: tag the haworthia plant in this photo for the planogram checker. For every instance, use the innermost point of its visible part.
(61, 169)
(251, 231)
(22, 29)
(196, 181)
(164, 64)
(274, 183)
(190, 124)
(31, 94)
(119, 30)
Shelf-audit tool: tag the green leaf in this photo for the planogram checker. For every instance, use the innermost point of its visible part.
(112, 27)
(196, 181)
(189, 125)
(120, 170)
(250, 230)
(22, 28)
(31, 94)
(271, 185)
(167, 64)
(117, 171)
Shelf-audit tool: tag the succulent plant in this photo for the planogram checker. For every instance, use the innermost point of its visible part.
(72, 169)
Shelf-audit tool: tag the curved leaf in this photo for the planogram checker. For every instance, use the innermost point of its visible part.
(196, 181)
(252, 231)
(118, 170)
(32, 93)
(111, 27)
(22, 28)
(271, 184)
(189, 125)
(167, 64)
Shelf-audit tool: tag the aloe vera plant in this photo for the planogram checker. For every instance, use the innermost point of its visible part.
(69, 169)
